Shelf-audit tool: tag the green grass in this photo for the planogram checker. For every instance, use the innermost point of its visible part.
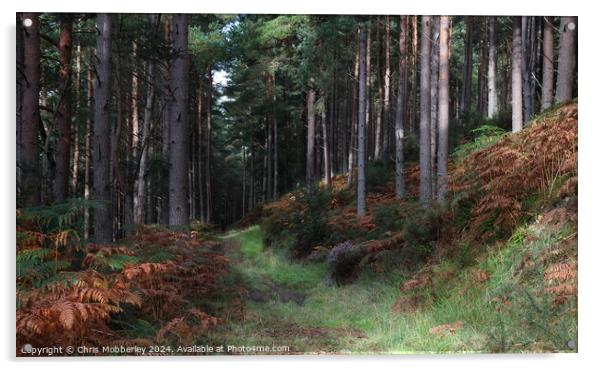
(251, 243)
(528, 323)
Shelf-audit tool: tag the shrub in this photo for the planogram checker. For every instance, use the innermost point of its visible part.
(378, 174)
(388, 217)
(310, 226)
(343, 261)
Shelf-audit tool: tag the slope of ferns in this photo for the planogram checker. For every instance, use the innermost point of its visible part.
(70, 293)
(496, 183)
(539, 162)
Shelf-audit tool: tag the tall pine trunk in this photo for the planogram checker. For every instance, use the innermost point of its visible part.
(326, 144)
(352, 156)
(492, 105)
(199, 153)
(401, 106)
(178, 124)
(547, 90)
(425, 112)
(30, 117)
(526, 68)
(361, 128)
(208, 154)
(443, 121)
(139, 187)
(88, 150)
(467, 77)
(517, 86)
(387, 87)
(311, 136)
(63, 152)
(103, 226)
(566, 59)
(77, 131)
(434, 96)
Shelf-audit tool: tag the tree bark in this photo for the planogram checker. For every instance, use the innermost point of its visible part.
(378, 129)
(443, 122)
(311, 136)
(566, 59)
(527, 54)
(425, 112)
(326, 146)
(199, 154)
(387, 87)
(361, 144)
(63, 150)
(21, 81)
(354, 118)
(415, 77)
(369, 118)
(492, 106)
(482, 73)
(178, 124)
(208, 154)
(140, 191)
(30, 117)
(88, 150)
(134, 118)
(77, 130)
(103, 227)
(517, 86)
(434, 91)
(467, 77)
(547, 90)
(401, 107)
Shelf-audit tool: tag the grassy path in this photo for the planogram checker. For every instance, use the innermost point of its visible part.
(330, 319)
(499, 313)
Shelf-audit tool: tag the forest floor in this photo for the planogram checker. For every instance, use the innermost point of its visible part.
(493, 306)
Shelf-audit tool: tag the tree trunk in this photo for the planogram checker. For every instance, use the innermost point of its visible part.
(140, 182)
(76, 133)
(361, 144)
(415, 77)
(30, 117)
(481, 73)
(387, 87)
(63, 152)
(178, 124)
(517, 87)
(369, 114)
(326, 146)
(526, 68)
(401, 107)
(425, 112)
(199, 153)
(134, 118)
(311, 136)
(492, 106)
(467, 77)
(21, 81)
(88, 151)
(275, 142)
(103, 227)
(566, 59)
(208, 159)
(354, 118)
(547, 90)
(378, 130)
(434, 91)
(443, 122)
